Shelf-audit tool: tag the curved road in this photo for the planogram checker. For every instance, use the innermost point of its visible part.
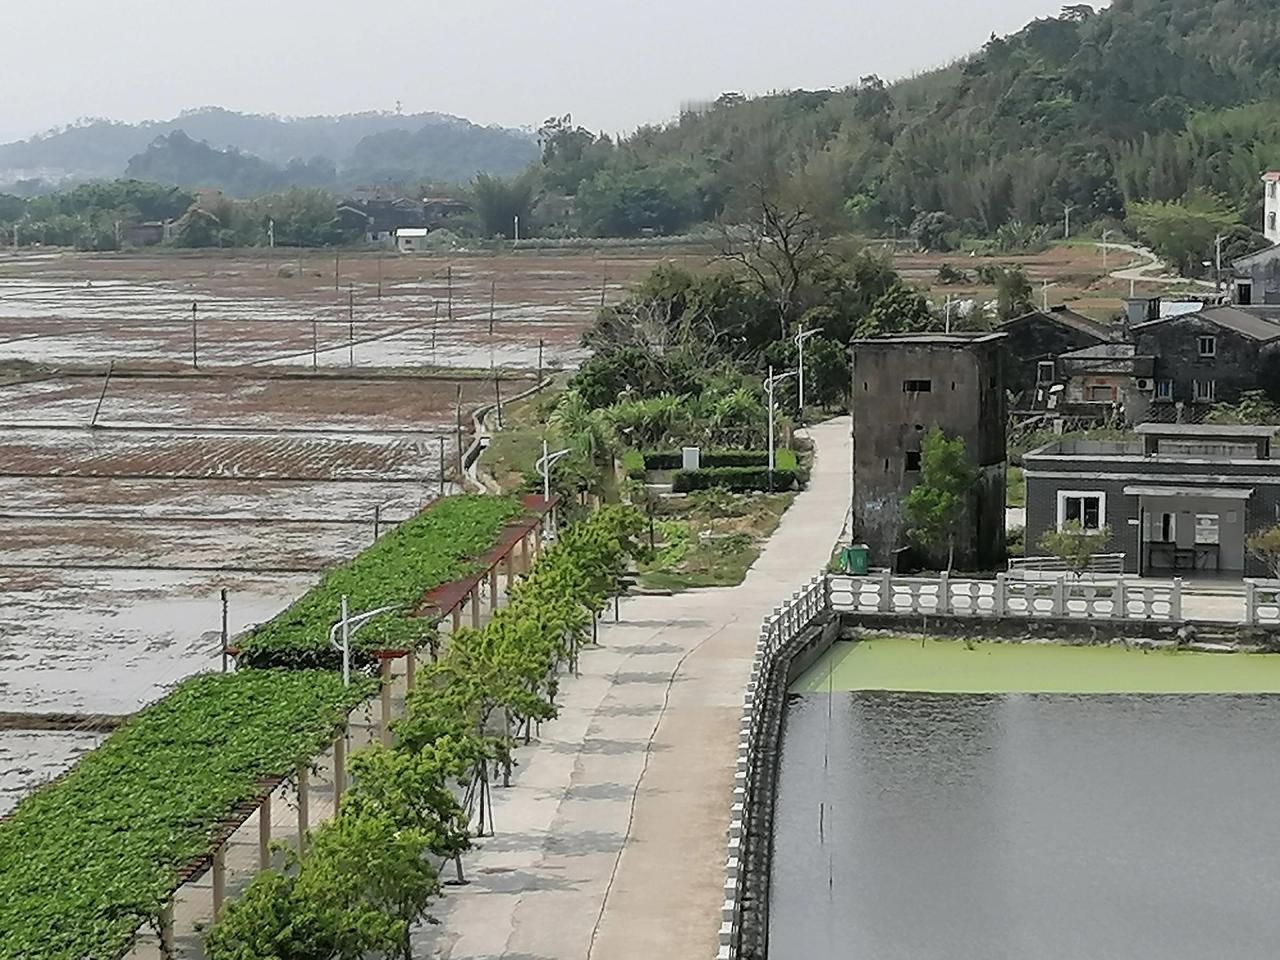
(1150, 269)
(610, 842)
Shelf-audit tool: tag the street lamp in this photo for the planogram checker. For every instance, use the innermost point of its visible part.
(543, 468)
(349, 625)
(801, 337)
(768, 386)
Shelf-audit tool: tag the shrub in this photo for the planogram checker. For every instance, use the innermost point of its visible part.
(674, 459)
(740, 479)
(633, 464)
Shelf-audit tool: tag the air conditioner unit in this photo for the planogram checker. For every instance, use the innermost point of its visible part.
(1144, 383)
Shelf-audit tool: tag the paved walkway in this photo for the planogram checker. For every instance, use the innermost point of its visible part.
(610, 841)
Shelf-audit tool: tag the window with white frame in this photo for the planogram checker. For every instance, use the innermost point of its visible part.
(1101, 393)
(1085, 507)
(1164, 389)
(1207, 345)
(1044, 371)
(1205, 391)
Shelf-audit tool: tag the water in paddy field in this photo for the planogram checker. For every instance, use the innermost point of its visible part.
(1047, 825)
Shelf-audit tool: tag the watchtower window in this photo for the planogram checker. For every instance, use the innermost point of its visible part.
(913, 461)
(917, 386)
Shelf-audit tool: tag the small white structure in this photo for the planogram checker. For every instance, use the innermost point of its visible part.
(1271, 205)
(411, 239)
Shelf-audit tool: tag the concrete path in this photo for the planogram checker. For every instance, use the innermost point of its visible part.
(610, 841)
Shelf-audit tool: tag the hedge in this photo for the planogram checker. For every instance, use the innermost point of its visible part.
(740, 479)
(436, 546)
(674, 459)
(88, 858)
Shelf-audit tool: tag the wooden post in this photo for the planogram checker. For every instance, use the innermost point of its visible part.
(264, 833)
(457, 617)
(385, 724)
(524, 553)
(410, 669)
(493, 588)
(475, 606)
(510, 571)
(302, 807)
(219, 880)
(339, 766)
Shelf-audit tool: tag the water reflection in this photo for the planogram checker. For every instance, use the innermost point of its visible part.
(1025, 826)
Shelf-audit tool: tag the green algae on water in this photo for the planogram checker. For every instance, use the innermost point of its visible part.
(939, 665)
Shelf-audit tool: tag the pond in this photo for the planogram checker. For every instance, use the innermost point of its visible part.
(1028, 801)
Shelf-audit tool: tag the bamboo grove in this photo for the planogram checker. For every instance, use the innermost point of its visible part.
(373, 871)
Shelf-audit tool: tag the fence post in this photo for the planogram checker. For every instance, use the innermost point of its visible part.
(944, 592)
(1001, 597)
(886, 591)
(1250, 603)
(1059, 597)
(826, 593)
(1175, 600)
(1120, 601)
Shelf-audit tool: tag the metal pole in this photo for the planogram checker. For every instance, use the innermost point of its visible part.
(315, 343)
(377, 522)
(195, 360)
(497, 393)
(337, 256)
(379, 274)
(604, 285)
(458, 430)
(225, 638)
(346, 645)
(442, 466)
(493, 292)
(351, 325)
(111, 365)
(450, 276)
(801, 338)
(769, 388)
(540, 346)
(546, 475)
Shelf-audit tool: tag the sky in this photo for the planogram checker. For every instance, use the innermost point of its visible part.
(612, 64)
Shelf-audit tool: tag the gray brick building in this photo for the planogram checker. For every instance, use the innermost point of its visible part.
(902, 386)
(1179, 499)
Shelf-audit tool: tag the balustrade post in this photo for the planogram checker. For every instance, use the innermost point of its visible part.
(944, 592)
(1060, 597)
(886, 591)
(1175, 600)
(166, 930)
(1120, 601)
(264, 833)
(303, 816)
(384, 725)
(219, 880)
(339, 766)
(827, 605)
(493, 587)
(1002, 594)
(475, 606)
(1250, 603)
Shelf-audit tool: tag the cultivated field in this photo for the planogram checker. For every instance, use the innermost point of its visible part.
(136, 486)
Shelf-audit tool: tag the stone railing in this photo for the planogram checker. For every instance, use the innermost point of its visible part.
(1262, 603)
(1004, 596)
(744, 916)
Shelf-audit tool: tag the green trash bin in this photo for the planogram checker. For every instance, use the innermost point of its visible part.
(853, 559)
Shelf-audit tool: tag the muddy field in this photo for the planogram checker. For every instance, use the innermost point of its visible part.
(129, 502)
(286, 308)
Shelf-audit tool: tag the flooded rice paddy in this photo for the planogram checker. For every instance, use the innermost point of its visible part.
(127, 505)
(1015, 801)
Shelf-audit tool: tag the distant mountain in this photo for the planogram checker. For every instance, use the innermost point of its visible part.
(430, 146)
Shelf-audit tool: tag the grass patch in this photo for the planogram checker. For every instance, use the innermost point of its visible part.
(710, 538)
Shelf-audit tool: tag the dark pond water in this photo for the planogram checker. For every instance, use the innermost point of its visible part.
(1028, 827)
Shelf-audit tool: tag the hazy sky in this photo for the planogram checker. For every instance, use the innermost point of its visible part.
(612, 63)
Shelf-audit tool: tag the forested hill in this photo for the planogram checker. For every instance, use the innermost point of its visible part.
(353, 148)
(1145, 100)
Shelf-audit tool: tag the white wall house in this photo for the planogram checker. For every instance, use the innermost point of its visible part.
(411, 239)
(1271, 205)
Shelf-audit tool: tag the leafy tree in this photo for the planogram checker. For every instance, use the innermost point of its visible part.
(499, 202)
(1182, 231)
(931, 231)
(1265, 546)
(1074, 545)
(937, 507)
(1254, 406)
(1013, 290)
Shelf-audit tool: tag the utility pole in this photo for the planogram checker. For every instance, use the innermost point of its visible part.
(337, 258)
(497, 394)
(351, 325)
(493, 291)
(804, 335)
(442, 465)
(541, 342)
(604, 285)
(225, 637)
(315, 343)
(195, 361)
(379, 275)
(457, 407)
(1066, 214)
(1217, 263)
(1105, 234)
(450, 280)
(517, 228)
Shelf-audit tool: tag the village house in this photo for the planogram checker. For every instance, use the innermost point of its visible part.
(1178, 499)
(379, 219)
(1110, 381)
(1034, 341)
(903, 385)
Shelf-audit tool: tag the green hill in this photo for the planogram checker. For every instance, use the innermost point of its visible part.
(1146, 100)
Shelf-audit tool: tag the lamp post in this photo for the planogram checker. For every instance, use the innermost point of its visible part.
(349, 625)
(801, 337)
(768, 386)
(543, 468)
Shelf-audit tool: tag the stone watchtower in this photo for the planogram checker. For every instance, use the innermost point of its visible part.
(902, 386)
